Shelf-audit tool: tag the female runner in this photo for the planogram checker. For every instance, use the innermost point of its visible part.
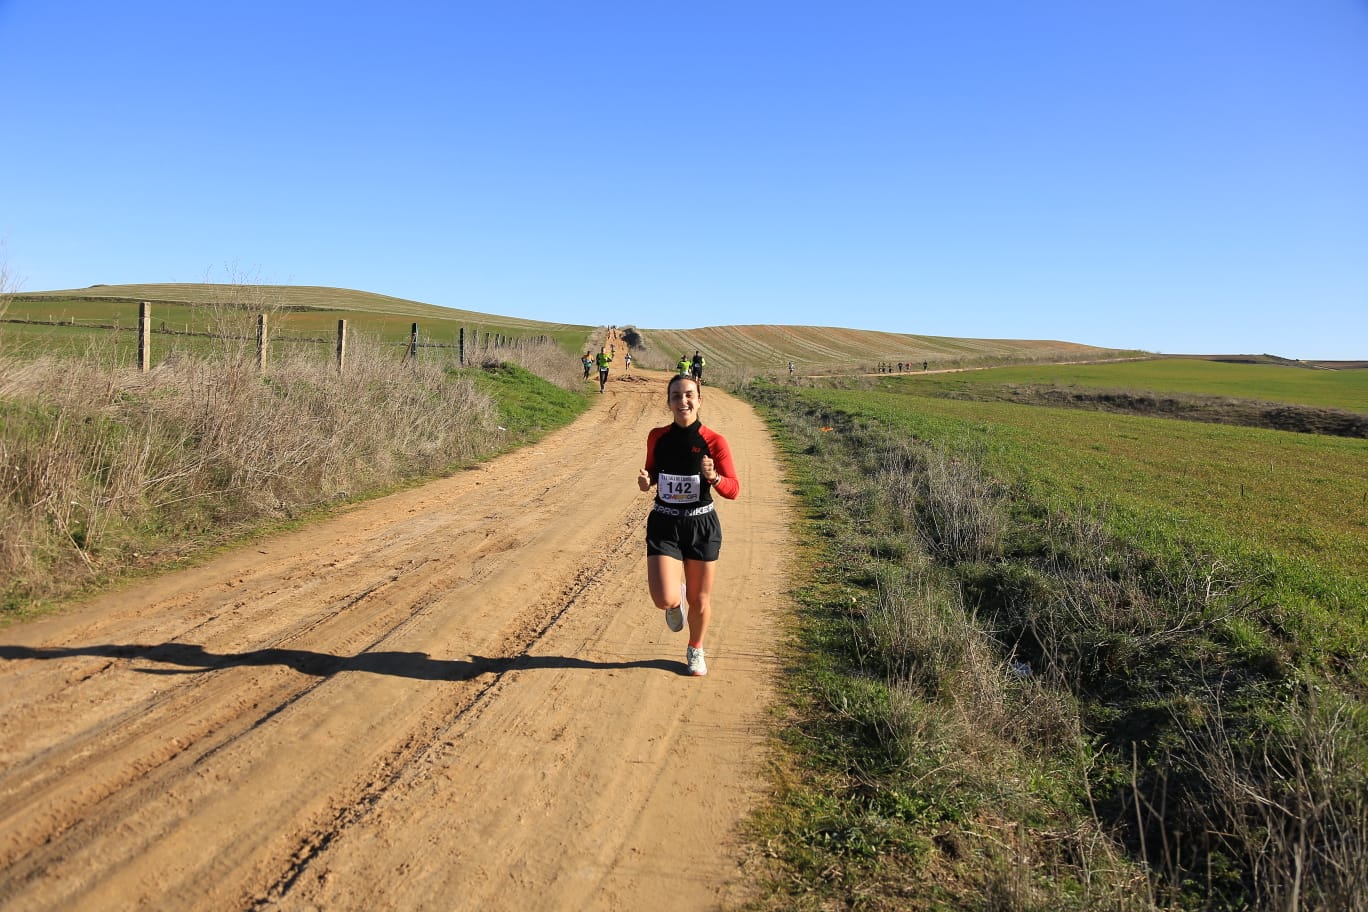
(685, 462)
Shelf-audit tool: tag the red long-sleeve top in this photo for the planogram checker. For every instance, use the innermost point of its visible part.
(677, 450)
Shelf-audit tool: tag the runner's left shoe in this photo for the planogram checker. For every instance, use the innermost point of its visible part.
(697, 667)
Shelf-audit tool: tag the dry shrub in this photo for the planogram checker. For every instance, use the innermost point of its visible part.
(539, 355)
(98, 458)
(728, 376)
(916, 633)
(1083, 606)
(954, 508)
(1279, 795)
(1118, 590)
(1293, 808)
(17, 535)
(921, 637)
(961, 722)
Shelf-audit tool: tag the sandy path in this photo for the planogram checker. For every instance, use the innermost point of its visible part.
(457, 697)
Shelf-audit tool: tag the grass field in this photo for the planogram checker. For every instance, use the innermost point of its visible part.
(1058, 659)
(1302, 495)
(1346, 389)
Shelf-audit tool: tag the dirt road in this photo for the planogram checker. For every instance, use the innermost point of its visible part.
(457, 697)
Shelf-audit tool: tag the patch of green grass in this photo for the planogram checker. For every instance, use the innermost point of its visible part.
(527, 404)
(1343, 389)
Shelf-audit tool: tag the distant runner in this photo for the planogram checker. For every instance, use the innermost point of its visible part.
(685, 462)
(696, 367)
(682, 368)
(602, 359)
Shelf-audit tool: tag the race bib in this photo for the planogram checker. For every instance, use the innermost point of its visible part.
(679, 489)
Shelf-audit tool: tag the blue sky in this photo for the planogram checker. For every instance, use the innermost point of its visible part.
(1183, 176)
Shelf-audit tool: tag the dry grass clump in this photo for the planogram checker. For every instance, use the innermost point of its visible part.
(98, 462)
(965, 728)
(545, 359)
(1293, 809)
(933, 653)
(953, 508)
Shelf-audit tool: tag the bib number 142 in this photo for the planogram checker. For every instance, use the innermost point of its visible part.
(678, 489)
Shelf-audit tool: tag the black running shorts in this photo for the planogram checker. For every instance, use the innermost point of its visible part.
(684, 537)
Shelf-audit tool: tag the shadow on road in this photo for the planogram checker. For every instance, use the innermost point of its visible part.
(418, 665)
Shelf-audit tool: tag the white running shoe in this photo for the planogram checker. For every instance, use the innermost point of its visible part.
(697, 667)
(674, 617)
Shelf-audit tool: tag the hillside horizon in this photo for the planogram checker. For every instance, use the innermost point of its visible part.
(750, 344)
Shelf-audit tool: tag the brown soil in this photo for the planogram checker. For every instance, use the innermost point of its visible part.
(457, 697)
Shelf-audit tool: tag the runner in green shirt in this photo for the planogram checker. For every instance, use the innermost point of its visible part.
(602, 359)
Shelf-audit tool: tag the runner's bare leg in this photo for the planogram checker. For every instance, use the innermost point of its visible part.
(699, 575)
(663, 575)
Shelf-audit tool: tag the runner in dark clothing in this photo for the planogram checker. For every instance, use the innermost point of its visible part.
(685, 462)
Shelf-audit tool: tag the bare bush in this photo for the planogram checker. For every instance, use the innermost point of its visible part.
(959, 719)
(923, 638)
(90, 451)
(952, 506)
(1090, 606)
(1293, 808)
(539, 355)
(916, 633)
(232, 315)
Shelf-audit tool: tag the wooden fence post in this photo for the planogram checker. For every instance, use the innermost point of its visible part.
(261, 343)
(413, 344)
(462, 346)
(341, 344)
(145, 336)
